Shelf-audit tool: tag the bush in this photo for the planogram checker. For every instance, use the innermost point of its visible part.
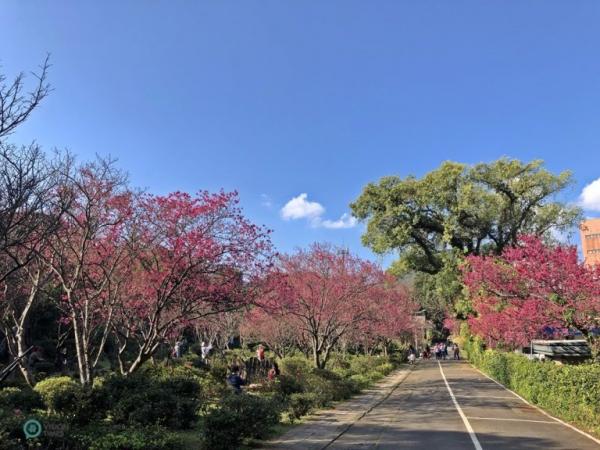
(149, 399)
(218, 369)
(59, 393)
(288, 385)
(301, 404)
(305, 388)
(329, 386)
(11, 430)
(570, 392)
(23, 399)
(295, 366)
(238, 417)
(360, 381)
(149, 438)
(90, 404)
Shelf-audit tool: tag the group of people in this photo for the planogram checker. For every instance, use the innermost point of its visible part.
(181, 347)
(250, 372)
(441, 350)
(253, 371)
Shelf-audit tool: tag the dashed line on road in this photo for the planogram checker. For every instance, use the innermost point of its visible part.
(501, 419)
(486, 396)
(472, 434)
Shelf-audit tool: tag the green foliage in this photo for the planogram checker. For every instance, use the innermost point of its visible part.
(328, 386)
(301, 403)
(360, 381)
(444, 291)
(11, 430)
(238, 417)
(472, 209)
(148, 398)
(141, 410)
(289, 385)
(305, 388)
(24, 399)
(136, 438)
(295, 366)
(59, 393)
(571, 392)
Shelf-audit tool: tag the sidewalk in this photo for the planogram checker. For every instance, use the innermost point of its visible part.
(324, 426)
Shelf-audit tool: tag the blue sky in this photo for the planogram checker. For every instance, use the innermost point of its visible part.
(280, 98)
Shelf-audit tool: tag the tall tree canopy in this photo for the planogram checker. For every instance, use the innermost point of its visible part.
(472, 209)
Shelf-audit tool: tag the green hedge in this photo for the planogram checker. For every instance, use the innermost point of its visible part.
(305, 388)
(237, 417)
(571, 392)
(58, 393)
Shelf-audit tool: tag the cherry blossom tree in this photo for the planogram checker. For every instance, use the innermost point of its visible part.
(21, 291)
(280, 332)
(529, 289)
(87, 253)
(218, 329)
(190, 257)
(327, 291)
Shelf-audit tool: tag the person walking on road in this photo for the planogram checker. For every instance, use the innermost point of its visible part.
(456, 352)
(412, 354)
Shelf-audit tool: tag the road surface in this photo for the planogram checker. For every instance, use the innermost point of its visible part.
(439, 405)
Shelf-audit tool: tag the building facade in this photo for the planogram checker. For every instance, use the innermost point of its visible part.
(590, 240)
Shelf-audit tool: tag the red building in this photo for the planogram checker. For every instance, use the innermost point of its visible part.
(590, 240)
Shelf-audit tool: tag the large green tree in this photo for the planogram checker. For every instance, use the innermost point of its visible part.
(469, 209)
(458, 210)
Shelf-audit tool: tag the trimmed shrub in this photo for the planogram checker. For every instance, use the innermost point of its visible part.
(288, 385)
(238, 417)
(360, 381)
(141, 399)
(300, 404)
(91, 404)
(59, 393)
(295, 366)
(330, 386)
(149, 438)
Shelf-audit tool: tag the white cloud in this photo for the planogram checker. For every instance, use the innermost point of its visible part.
(590, 196)
(346, 221)
(301, 208)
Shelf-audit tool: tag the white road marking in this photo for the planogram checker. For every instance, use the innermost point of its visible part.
(597, 441)
(461, 413)
(486, 396)
(510, 420)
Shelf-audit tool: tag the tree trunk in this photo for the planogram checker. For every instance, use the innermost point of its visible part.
(82, 360)
(23, 362)
(316, 358)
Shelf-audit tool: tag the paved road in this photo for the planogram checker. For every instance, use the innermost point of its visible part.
(448, 406)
